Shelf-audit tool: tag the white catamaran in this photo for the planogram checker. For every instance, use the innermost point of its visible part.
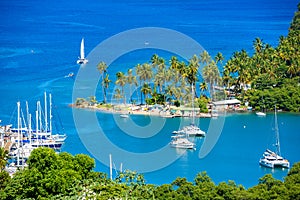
(82, 59)
(191, 129)
(274, 159)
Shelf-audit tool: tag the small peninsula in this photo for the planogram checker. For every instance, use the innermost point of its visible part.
(268, 77)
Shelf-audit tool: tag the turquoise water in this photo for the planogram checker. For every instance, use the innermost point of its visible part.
(234, 157)
(40, 45)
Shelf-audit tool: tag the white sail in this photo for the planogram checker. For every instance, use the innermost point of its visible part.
(82, 49)
(82, 59)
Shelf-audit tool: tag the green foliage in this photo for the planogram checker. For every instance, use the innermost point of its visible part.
(285, 97)
(177, 103)
(71, 177)
(3, 158)
(202, 104)
(295, 25)
(274, 73)
(49, 174)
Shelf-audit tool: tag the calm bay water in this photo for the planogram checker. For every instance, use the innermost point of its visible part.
(40, 45)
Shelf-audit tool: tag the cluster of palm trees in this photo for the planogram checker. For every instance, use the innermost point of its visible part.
(164, 81)
(265, 67)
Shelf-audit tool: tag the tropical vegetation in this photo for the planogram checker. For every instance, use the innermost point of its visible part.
(64, 176)
(270, 76)
(272, 72)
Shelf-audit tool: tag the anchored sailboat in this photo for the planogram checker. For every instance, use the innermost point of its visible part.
(192, 129)
(82, 59)
(274, 159)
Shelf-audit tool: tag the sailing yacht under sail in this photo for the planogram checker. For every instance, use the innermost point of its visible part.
(82, 59)
(274, 159)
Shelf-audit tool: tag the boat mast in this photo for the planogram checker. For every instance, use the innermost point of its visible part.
(29, 128)
(28, 122)
(37, 119)
(18, 124)
(27, 113)
(193, 116)
(46, 113)
(40, 114)
(277, 144)
(50, 113)
(110, 167)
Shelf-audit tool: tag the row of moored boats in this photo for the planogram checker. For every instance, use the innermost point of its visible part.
(30, 134)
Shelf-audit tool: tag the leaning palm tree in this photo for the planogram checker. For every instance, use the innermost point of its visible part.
(102, 67)
(106, 82)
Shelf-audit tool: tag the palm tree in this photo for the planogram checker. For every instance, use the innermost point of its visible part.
(205, 57)
(102, 67)
(147, 72)
(211, 75)
(144, 72)
(155, 61)
(106, 83)
(258, 45)
(193, 70)
(219, 58)
(203, 87)
(146, 89)
(174, 62)
(92, 100)
(121, 81)
(118, 95)
(159, 79)
(131, 80)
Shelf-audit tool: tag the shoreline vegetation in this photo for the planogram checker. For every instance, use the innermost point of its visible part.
(271, 76)
(64, 176)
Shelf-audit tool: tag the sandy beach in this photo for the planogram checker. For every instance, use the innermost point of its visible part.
(153, 110)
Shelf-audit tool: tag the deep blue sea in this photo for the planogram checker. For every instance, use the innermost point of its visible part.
(39, 46)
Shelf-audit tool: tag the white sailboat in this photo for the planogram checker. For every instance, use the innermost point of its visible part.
(262, 114)
(82, 59)
(28, 139)
(192, 129)
(181, 141)
(274, 159)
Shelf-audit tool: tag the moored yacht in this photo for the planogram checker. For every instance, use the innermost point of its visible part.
(271, 159)
(181, 141)
(261, 114)
(274, 159)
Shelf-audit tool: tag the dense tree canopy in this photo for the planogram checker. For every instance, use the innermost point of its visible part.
(273, 73)
(63, 176)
